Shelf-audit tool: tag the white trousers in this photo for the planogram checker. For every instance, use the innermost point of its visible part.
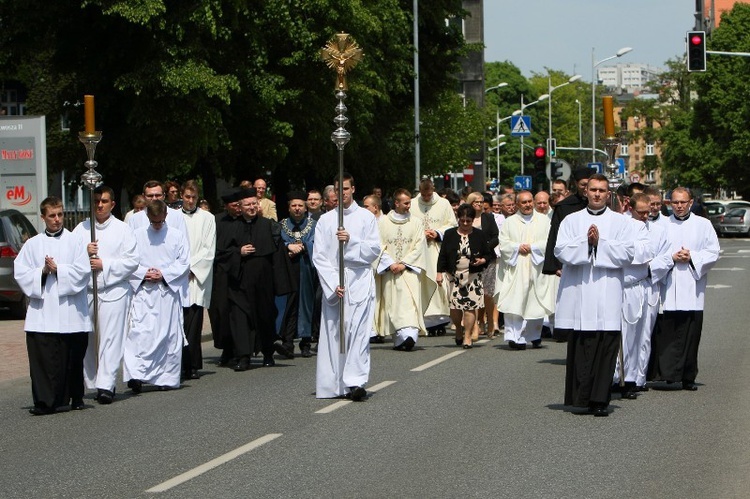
(640, 309)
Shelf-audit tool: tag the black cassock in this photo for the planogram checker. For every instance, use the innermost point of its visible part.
(253, 281)
(218, 312)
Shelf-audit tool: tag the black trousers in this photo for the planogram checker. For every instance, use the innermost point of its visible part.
(192, 354)
(56, 367)
(674, 346)
(590, 367)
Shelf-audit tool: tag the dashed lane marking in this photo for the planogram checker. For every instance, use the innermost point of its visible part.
(197, 471)
(342, 403)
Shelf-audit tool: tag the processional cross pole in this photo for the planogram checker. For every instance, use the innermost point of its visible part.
(341, 54)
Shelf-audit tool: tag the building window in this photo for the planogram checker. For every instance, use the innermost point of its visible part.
(651, 177)
(650, 150)
(623, 149)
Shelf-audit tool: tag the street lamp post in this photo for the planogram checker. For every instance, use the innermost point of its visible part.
(619, 53)
(497, 148)
(580, 128)
(524, 106)
(551, 89)
(497, 124)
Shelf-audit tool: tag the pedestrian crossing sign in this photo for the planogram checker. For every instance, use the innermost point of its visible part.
(520, 126)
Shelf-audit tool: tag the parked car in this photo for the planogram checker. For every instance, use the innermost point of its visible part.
(717, 208)
(736, 221)
(15, 229)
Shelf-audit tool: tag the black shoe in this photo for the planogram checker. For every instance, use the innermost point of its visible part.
(408, 344)
(268, 361)
(104, 397)
(643, 388)
(305, 351)
(194, 374)
(136, 385)
(358, 393)
(516, 346)
(689, 386)
(459, 342)
(440, 331)
(536, 343)
(600, 412)
(77, 405)
(546, 332)
(40, 411)
(377, 339)
(628, 393)
(283, 350)
(243, 364)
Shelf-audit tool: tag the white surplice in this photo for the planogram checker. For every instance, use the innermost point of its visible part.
(684, 284)
(59, 304)
(589, 297)
(153, 345)
(119, 260)
(336, 372)
(201, 228)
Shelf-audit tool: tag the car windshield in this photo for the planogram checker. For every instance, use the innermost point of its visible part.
(736, 212)
(714, 208)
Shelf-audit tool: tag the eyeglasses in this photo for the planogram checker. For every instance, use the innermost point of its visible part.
(680, 202)
(157, 222)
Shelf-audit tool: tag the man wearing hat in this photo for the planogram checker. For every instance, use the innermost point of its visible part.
(297, 234)
(218, 313)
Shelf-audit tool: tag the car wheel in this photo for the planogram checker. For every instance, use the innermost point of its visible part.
(18, 309)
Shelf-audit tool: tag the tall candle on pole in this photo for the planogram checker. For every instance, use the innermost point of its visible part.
(90, 138)
(341, 54)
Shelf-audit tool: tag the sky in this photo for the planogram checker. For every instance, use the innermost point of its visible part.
(560, 34)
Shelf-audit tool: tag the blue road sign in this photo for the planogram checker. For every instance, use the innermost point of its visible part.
(596, 166)
(520, 126)
(522, 182)
(620, 166)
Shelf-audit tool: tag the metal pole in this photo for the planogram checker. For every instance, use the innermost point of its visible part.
(580, 128)
(549, 114)
(593, 108)
(497, 136)
(417, 160)
(522, 136)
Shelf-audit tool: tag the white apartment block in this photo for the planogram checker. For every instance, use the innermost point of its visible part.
(628, 78)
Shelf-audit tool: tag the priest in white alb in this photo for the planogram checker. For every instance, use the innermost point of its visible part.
(402, 286)
(694, 249)
(523, 293)
(436, 215)
(593, 245)
(640, 300)
(153, 345)
(113, 258)
(345, 374)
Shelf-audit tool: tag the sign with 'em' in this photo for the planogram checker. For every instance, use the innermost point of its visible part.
(23, 165)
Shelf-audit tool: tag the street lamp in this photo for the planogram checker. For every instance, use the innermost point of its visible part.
(541, 98)
(551, 89)
(497, 148)
(619, 53)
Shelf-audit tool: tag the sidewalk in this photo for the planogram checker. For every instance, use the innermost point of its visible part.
(14, 363)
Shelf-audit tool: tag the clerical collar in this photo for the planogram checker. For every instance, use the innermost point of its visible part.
(398, 217)
(595, 212)
(104, 224)
(653, 218)
(54, 234)
(189, 212)
(350, 209)
(682, 218)
(526, 218)
(251, 220)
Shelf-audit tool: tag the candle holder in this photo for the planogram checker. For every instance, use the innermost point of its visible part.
(91, 179)
(611, 145)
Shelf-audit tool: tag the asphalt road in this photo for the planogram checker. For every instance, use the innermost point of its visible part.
(486, 422)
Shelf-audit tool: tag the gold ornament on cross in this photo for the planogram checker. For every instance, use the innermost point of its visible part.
(341, 54)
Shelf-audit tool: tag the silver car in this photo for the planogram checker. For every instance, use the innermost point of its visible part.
(735, 221)
(15, 229)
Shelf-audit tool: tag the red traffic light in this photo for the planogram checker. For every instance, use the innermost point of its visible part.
(539, 152)
(696, 40)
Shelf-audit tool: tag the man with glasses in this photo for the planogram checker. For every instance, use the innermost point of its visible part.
(314, 204)
(694, 249)
(153, 190)
(153, 345)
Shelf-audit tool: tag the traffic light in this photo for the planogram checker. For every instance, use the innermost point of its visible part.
(552, 147)
(696, 51)
(540, 152)
(557, 169)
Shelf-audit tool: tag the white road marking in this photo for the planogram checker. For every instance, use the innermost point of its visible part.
(718, 286)
(732, 269)
(343, 403)
(437, 361)
(189, 475)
